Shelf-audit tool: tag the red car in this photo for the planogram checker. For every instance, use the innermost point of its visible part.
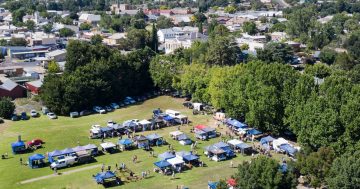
(35, 143)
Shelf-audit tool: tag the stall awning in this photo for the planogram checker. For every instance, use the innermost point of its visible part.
(162, 164)
(166, 155)
(175, 161)
(107, 145)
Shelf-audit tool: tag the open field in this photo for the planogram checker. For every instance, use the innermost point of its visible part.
(67, 132)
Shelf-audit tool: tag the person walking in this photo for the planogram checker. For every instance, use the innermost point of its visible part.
(21, 161)
(173, 175)
(55, 171)
(102, 167)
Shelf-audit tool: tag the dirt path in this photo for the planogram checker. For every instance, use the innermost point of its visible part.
(62, 173)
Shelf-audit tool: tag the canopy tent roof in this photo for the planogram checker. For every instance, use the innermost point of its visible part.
(253, 132)
(106, 129)
(220, 145)
(130, 123)
(176, 133)
(236, 123)
(125, 142)
(199, 132)
(162, 164)
(55, 153)
(67, 151)
(79, 148)
(288, 149)
(166, 155)
(278, 142)
(100, 177)
(117, 126)
(140, 138)
(212, 185)
(183, 137)
(182, 153)
(36, 157)
(90, 147)
(190, 157)
(266, 139)
(106, 145)
(153, 136)
(200, 127)
(175, 161)
(217, 151)
(208, 129)
(243, 146)
(168, 118)
(18, 146)
(157, 111)
(235, 142)
(144, 122)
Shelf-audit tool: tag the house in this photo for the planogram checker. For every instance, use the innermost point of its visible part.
(36, 18)
(254, 42)
(184, 41)
(117, 8)
(278, 36)
(174, 32)
(9, 88)
(92, 19)
(184, 19)
(181, 11)
(41, 38)
(58, 55)
(58, 26)
(34, 86)
(12, 70)
(25, 52)
(114, 39)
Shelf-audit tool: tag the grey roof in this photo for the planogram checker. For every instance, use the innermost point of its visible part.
(8, 85)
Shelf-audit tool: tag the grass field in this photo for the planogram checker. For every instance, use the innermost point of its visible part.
(66, 132)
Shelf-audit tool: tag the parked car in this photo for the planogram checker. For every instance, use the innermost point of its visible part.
(126, 102)
(35, 143)
(74, 114)
(61, 163)
(52, 115)
(108, 109)
(24, 116)
(85, 113)
(34, 113)
(14, 117)
(130, 100)
(114, 105)
(1, 121)
(99, 110)
(121, 104)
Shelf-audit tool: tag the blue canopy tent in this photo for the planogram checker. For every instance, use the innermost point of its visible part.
(67, 151)
(253, 132)
(220, 145)
(243, 147)
(166, 155)
(106, 129)
(154, 139)
(190, 157)
(212, 185)
(100, 178)
(78, 149)
(225, 147)
(169, 119)
(91, 147)
(125, 143)
(130, 124)
(235, 123)
(53, 154)
(183, 153)
(18, 147)
(36, 161)
(141, 141)
(157, 112)
(265, 142)
(288, 149)
(182, 137)
(162, 164)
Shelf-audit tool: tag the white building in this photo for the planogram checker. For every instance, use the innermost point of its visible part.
(89, 18)
(185, 41)
(41, 38)
(171, 33)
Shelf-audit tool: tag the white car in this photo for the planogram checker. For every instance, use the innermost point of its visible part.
(95, 127)
(33, 113)
(52, 115)
(66, 162)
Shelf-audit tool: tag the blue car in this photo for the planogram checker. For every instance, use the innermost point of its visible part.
(24, 116)
(99, 110)
(114, 106)
(130, 100)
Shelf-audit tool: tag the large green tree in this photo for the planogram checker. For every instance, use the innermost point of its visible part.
(7, 108)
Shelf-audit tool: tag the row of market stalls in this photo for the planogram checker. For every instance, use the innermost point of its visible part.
(279, 145)
(243, 129)
(56, 154)
(176, 161)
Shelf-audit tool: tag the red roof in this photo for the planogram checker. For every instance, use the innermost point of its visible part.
(231, 182)
(200, 127)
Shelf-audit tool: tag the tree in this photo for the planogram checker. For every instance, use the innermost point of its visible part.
(7, 108)
(96, 39)
(222, 51)
(164, 22)
(17, 16)
(230, 9)
(222, 185)
(85, 26)
(66, 32)
(353, 45)
(344, 61)
(138, 38)
(30, 25)
(327, 56)
(262, 173)
(278, 27)
(220, 30)
(344, 172)
(47, 28)
(154, 39)
(275, 52)
(301, 20)
(250, 28)
(53, 67)
(316, 165)
(17, 42)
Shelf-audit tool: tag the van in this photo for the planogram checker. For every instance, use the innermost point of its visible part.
(172, 113)
(66, 162)
(74, 114)
(45, 110)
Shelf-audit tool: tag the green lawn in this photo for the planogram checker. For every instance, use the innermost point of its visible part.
(65, 132)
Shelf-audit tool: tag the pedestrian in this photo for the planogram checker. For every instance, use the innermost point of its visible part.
(109, 167)
(231, 164)
(143, 174)
(78, 143)
(169, 146)
(178, 128)
(55, 170)
(116, 166)
(102, 167)
(21, 161)
(173, 174)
